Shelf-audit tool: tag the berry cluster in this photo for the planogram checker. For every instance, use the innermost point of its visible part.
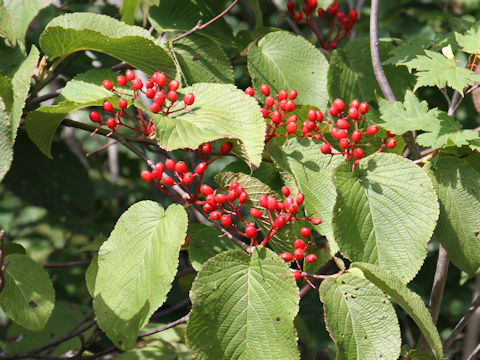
(277, 109)
(154, 88)
(337, 19)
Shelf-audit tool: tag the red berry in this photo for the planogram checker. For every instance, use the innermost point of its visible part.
(319, 116)
(160, 78)
(146, 175)
(137, 84)
(299, 244)
(285, 190)
(372, 129)
(291, 127)
(172, 96)
(226, 147)
(226, 220)
(340, 16)
(206, 148)
(353, 15)
(130, 75)
(206, 190)
(111, 123)
(173, 85)
(312, 115)
(155, 108)
(107, 84)
(354, 104)
(299, 254)
(189, 99)
(271, 203)
(167, 181)
(300, 198)
(344, 143)
(316, 221)
(107, 106)
(356, 136)
(200, 168)
(150, 93)
(353, 113)
(293, 209)
(234, 186)
(263, 201)
(343, 124)
(280, 221)
(310, 258)
(297, 16)
(149, 84)
(389, 134)
(188, 178)
(232, 194)
(221, 198)
(290, 106)
(312, 4)
(122, 103)
(269, 101)
(296, 275)
(309, 125)
(358, 153)
(286, 256)
(264, 112)
(257, 214)
(159, 98)
(321, 12)
(208, 208)
(242, 197)
(276, 117)
(170, 164)
(251, 231)
(211, 200)
(121, 80)
(391, 143)
(160, 167)
(94, 116)
(363, 108)
(265, 89)
(250, 91)
(333, 110)
(292, 94)
(215, 215)
(181, 167)
(339, 104)
(325, 149)
(332, 10)
(282, 95)
(305, 232)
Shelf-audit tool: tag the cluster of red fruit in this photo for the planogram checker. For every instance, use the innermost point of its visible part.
(337, 19)
(152, 89)
(180, 174)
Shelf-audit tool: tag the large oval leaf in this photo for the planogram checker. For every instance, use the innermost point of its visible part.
(413, 304)
(286, 61)
(243, 308)
(27, 296)
(385, 213)
(219, 111)
(312, 171)
(457, 181)
(360, 319)
(136, 266)
(86, 31)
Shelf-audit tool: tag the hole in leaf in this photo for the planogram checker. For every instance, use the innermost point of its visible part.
(32, 304)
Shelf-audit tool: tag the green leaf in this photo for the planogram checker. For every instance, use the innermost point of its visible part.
(446, 132)
(418, 355)
(82, 91)
(413, 305)
(7, 28)
(266, 173)
(243, 308)
(285, 61)
(22, 12)
(206, 243)
(91, 276)
(157, 349)
(434, 69)
(385, 213)
(408, 50)
(312, 173)
(183, 15)
(219, 111)
(6, 143)
(38, 180)
(128, 11)
(283, 240)
(457, 182)
(69, 33)
(257, 10)
(407, 116)
(470, 41)
(64, 317)
(27, 296)
(136, 267)
(351, 76)
(360, 319)
(202, 60)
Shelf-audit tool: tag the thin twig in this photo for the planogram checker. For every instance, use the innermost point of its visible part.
(380, 74)
(171, 309)
(101, 148)
(325, 268)
(67, 264)
(45, 97)
(461, 324)
(182, 320)
(287, 18)
(455, 103)
(2, 257)
(199, 25)
(436, 295)
(475, 354)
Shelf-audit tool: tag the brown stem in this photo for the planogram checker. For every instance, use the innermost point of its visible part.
(199, 25)
(380, 74)
(67, 264)
(461, 324)
(182, 320)
(2, 258)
